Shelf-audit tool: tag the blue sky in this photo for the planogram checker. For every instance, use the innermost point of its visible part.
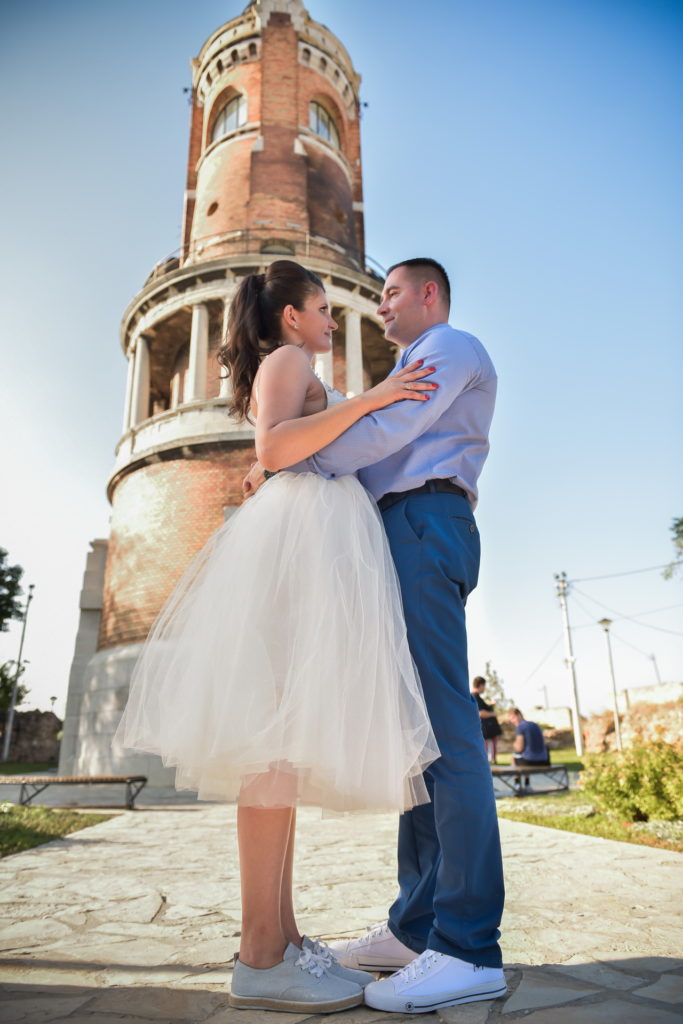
(535, 148)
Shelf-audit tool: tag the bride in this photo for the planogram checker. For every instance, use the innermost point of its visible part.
(279, 672)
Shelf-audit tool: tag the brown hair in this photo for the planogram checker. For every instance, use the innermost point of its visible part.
(478, 681)
(254, 323)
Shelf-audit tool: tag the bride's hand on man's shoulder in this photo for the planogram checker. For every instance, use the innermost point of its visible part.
(408, 383)
(253, 480)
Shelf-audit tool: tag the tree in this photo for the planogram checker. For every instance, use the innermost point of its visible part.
(7, 672)
(494, 689)
(677, 531)
(10, 591)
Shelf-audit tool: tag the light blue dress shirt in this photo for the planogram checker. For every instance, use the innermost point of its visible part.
(400, 447)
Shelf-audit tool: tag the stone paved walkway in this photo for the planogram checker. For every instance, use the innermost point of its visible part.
(136, 918)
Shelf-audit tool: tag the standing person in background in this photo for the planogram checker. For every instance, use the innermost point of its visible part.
(490, 726)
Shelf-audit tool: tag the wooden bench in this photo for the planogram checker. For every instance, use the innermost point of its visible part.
(32, 785)
(509, 775)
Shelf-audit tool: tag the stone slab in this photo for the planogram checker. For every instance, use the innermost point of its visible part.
(469, 1013)
(36, 1009)
(538, 989)
(226, 1015)
(159, 1003)
(668, 989)
(142, 912)
(601, 974)
(662, 964)
(613, 1011)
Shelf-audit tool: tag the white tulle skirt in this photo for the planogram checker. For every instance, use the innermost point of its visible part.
(279, 671)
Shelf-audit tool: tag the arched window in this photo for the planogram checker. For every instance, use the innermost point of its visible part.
(233, 115)
(320, 122)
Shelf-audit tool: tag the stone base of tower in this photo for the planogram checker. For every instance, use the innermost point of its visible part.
(98, 690)
(104, 692)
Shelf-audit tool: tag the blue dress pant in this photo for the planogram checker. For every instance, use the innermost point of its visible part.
(449, 860)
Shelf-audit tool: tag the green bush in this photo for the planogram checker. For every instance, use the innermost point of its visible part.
(643, 782)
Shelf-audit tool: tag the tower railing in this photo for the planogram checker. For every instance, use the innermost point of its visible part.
(287, 242)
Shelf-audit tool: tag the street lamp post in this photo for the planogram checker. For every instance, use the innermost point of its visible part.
(13, 698)
(606, 623)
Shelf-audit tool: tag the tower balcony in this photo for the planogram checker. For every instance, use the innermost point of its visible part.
(263, 244)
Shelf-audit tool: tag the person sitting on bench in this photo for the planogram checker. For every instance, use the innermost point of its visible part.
(529, 745)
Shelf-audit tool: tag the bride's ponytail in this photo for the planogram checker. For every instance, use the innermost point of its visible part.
(255, 324)
(243, 350)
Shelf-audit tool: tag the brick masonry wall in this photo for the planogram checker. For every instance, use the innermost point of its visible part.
(271, 186)
(34, 736)
(223, 189)
(194, 152)
(330, 204)
(162, 516)
(278, 174)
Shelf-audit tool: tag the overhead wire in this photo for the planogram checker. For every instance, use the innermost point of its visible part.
(630, 618)
(654, 611)
(615, 636)
(614, 575)
(543, 660)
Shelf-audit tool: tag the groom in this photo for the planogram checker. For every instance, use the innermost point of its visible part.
(421, 462)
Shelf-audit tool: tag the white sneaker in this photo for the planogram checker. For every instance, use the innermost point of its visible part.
(324, 955)
(377, 950)
(435, 980)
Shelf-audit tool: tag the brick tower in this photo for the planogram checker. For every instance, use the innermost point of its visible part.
(274, 170)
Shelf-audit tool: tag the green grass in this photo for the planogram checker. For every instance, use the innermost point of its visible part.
(21, 828)
(574, 812)
(24, 767)
(565, 755)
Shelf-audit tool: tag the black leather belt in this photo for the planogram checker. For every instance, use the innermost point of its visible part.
(430, 487)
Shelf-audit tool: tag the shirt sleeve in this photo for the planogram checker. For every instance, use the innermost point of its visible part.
(380, 434)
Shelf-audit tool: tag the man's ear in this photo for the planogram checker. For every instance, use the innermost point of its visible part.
(431, 293)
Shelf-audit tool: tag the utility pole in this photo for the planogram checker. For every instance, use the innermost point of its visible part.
(606, 623)
(10, 711)
(562, 587)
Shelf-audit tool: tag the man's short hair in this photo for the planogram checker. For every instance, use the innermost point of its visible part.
(516, 711)
(478, 681)
(424, 269)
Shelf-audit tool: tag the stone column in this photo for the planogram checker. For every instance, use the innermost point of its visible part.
(225, 386)
(354, 354)
(129, 393)
(140, 396)
(324, 368)
(199, 353)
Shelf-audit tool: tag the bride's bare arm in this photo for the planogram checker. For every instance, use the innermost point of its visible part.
(284, 436)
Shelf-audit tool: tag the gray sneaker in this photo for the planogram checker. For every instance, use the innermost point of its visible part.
(299, 984)
(322, 952)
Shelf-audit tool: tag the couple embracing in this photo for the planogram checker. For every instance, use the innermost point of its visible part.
(315, 651)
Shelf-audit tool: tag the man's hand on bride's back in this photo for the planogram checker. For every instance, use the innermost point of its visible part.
(408, 383)
(253, 480)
